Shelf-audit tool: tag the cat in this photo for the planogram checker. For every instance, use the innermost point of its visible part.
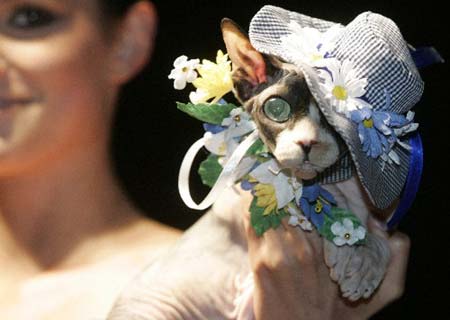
(290, 123)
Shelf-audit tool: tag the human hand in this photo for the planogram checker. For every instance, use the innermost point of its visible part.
(196, 280)
(291, 279)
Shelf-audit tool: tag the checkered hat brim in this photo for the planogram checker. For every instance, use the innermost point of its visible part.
(379, 53)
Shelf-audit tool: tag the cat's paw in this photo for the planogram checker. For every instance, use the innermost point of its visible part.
(358, 269)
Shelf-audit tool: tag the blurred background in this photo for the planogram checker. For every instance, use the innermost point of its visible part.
(152, 136)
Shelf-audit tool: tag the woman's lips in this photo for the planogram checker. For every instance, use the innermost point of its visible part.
(8, 102)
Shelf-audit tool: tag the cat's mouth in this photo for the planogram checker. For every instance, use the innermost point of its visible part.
(306, 170)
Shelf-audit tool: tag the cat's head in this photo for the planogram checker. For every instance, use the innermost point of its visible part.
(276, 95)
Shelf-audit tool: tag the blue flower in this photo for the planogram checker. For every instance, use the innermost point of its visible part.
(379, 130)
(374, 132)
(397, 120)
(315, 202)
(247, 185)
(213, 128)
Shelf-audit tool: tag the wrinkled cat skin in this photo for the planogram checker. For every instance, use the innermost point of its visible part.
(307, 145)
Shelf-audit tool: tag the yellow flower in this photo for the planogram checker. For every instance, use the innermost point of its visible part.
(214, 81)
(266, 198)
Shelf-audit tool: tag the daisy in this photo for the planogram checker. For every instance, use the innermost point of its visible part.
(373, 131)
(380, 130)
(342, 87)
(309, 45)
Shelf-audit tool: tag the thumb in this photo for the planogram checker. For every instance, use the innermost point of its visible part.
(377, 227)
(393, 285)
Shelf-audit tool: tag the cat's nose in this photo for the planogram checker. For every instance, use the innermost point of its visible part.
(306, 145)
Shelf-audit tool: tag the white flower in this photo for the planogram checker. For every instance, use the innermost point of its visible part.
(297, 219)
(183, 71)
(225, 142)
(286, 187)
(198, 96)
(309, 45)
(346, 233)
(342, 87)
(239, 123)
(219, 143)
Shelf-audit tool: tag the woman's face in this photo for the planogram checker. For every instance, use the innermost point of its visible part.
(56, 92)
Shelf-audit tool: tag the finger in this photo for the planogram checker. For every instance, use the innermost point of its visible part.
(377, 227)
(304, 237)
(399, 244)
(276, 239)
(253, 241)
(306, 247)
(392, 287)
(263, 246)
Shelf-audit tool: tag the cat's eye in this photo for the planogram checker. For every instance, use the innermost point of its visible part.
(29, 17)
(277, 109)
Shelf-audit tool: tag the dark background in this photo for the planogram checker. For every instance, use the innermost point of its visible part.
(152, 136)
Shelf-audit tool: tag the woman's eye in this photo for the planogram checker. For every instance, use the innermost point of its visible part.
(30, 17)
(277, 109)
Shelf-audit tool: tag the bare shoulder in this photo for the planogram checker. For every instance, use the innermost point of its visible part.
(144, 235)
(94, 277)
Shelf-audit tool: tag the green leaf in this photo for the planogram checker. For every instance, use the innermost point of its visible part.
(210, 170)
(210, 113)
(338, 214)
(257, 148)
(262, 223)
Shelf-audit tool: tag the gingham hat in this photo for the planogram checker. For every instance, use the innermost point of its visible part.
(379, 54)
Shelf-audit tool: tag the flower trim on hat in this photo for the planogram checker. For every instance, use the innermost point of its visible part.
(342, 87)
(277, 192)
(378, 131)
(309, 45)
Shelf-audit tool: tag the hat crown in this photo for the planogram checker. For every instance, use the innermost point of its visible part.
(372, 42)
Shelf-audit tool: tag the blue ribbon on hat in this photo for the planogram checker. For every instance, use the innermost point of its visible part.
(425, 56)
(412, 181)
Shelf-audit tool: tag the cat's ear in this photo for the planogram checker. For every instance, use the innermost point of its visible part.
(249, 65)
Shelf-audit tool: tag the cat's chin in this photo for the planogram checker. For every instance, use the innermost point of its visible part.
(305, 173)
